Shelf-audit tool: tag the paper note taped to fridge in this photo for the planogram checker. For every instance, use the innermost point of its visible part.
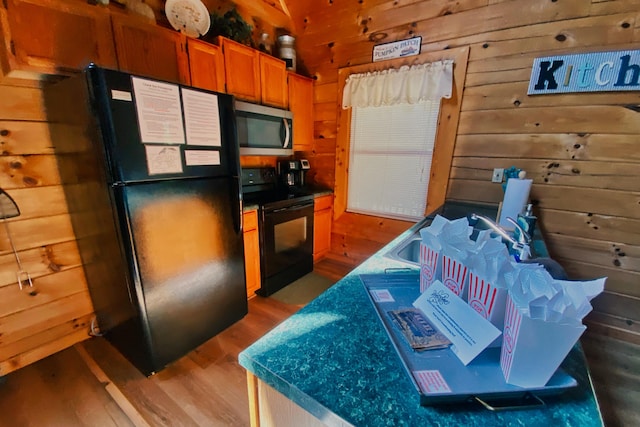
(468, 331)
(417, 330)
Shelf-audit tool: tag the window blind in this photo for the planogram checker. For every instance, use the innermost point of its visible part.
(390, 159)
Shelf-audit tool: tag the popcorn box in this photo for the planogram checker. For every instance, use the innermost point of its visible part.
(487, 299)
(430, 268)
(533, 349)
(454, 276)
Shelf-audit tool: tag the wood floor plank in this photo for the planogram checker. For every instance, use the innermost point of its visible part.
(119, 399)
(207, 387)
(58, 390)
(155, 406)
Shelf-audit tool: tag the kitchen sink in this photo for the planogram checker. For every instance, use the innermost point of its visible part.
(408, 249)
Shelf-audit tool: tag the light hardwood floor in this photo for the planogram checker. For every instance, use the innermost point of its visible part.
(91, 384)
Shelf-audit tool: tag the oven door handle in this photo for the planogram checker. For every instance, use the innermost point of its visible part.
(292, 208)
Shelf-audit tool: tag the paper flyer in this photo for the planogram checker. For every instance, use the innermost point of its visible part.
(469, 332)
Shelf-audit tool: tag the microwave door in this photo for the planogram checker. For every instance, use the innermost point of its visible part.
(263, 130)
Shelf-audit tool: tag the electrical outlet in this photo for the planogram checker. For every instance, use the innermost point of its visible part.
(498, 173)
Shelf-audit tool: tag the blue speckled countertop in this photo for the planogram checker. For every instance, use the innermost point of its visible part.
(334, 359)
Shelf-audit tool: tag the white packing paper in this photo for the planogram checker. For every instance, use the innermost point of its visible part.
(534, 291)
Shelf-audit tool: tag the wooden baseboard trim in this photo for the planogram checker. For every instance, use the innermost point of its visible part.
(116, 394)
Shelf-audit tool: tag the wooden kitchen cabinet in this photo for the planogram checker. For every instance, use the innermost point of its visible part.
(206, 65)
(254, 76)
(301, 104)
(251, 252)
(150, 50)
(242, 70)
(322, 213)
(273, 81)
(53, 37)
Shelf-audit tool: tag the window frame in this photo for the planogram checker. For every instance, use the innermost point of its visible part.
(445, 135)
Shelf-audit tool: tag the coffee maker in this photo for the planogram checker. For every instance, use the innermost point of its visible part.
(292, 173)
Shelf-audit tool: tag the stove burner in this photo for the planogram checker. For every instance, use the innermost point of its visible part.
(260, 186)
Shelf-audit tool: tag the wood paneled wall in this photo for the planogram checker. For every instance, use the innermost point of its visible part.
(582, 150)
(56, 312)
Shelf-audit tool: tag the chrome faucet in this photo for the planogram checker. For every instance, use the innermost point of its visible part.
(520, 246)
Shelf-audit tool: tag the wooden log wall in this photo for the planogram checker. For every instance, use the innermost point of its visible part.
(56, 312)
(582, 150)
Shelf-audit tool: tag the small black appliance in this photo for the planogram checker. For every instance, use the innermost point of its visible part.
(292, 173)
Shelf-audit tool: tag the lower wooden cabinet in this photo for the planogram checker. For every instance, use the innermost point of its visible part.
(322, 213)
(251, 252)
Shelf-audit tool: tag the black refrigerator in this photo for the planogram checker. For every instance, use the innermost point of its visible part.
(152, 179)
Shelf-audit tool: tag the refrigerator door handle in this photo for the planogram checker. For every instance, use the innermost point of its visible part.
(234, 150)
(236, 193)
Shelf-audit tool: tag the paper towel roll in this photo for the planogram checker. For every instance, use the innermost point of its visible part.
(516, 198)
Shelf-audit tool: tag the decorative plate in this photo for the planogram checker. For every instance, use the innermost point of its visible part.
(190, 17)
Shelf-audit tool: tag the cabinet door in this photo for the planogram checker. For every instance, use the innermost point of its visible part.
(150, 50)
(301, 104)
(251, 252)
(206, 65)
(322, 226)
(48, 37)
(242, 70)
(273, 81)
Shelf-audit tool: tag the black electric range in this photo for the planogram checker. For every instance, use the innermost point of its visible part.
(285, 224)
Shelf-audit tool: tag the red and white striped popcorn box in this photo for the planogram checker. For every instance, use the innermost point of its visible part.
(533, 349)
(487, 299)
(454, 276)
(430, 268)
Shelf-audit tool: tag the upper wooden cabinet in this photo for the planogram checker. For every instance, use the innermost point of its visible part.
(52, 37)
(150, 50)
(242, 70)
(301, 105)
(206, 65)
(254, 76)
(273, 81)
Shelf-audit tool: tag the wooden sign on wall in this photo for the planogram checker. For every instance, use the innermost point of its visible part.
(587, 72)
(408, 47)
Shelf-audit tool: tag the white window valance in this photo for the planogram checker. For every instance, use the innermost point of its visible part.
(406, 85)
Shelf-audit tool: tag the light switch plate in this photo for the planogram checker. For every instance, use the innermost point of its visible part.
(498, 174)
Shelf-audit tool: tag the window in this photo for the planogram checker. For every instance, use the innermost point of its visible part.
(390, 159)
(358, 93)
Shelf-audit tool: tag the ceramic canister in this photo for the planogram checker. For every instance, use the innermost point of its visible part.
(287, 51)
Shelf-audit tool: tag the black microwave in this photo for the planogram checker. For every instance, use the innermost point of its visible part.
(264, 130)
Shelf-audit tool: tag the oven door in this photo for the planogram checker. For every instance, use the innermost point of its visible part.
(286, 245)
